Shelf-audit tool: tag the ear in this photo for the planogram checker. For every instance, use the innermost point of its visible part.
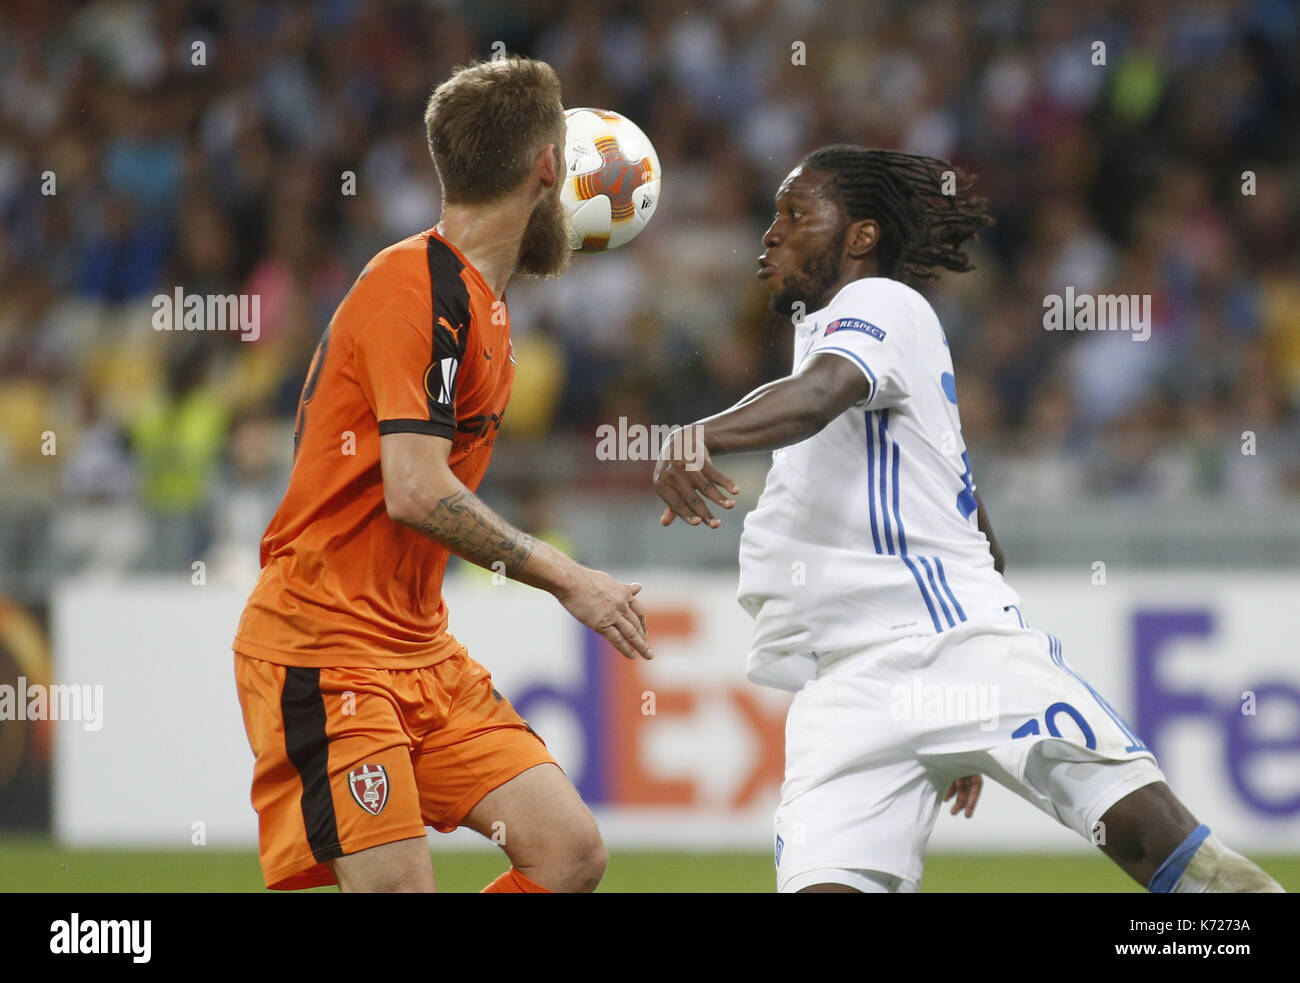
(861, 238)
(548, 166)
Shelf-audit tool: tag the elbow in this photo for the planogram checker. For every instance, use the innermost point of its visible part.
(409, 502)
(406, 502)
(401, 507)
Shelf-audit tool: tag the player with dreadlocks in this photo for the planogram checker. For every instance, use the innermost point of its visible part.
(874, 577)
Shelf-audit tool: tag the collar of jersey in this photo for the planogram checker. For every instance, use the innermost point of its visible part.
(468, 265)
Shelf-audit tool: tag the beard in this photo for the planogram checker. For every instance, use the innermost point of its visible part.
(811, 285)
(544, 250)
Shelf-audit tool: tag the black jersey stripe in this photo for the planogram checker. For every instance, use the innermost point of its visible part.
(451, 325)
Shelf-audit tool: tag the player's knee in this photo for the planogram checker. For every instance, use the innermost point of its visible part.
(569, 860)
(576, 862)
(588, 859)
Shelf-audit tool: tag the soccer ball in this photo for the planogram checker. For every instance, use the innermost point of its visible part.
(611, 181)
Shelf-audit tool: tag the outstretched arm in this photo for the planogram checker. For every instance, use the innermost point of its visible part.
(774, 415)
(422, 493)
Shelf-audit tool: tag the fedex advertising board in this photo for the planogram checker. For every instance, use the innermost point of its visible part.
(683, 751)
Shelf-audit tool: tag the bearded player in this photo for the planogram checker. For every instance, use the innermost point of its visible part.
(369, 721)
(869, 564)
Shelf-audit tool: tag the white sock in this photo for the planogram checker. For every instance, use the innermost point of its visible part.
(1214, 869)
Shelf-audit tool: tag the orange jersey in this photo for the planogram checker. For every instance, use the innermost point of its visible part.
(419, 345)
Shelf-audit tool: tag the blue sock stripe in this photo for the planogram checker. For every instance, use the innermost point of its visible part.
(1171, 871)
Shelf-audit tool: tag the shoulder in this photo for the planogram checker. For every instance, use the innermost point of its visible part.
(882, 308)
(876, 293)
(874, 308)
(423, 263)
(395, 276)
(404, 262)
(411, 279)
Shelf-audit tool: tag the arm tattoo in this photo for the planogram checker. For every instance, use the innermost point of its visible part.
(467, 527)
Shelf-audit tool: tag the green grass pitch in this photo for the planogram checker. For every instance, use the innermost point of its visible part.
(39, 865)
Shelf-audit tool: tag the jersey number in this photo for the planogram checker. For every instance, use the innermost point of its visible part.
(1030, 727)
(966, 503)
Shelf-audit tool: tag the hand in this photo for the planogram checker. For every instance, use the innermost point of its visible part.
(609, 607)
(685, 477)
(967, 791)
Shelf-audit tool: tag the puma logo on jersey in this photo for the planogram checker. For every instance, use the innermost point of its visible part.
(454, 332)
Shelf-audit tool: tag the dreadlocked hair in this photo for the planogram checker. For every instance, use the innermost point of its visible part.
(922, 230)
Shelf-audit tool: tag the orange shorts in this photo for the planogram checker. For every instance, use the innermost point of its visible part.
(349, 759)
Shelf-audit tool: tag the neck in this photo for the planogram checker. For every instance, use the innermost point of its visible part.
(489, 235)
(857, 269)
(849, 273)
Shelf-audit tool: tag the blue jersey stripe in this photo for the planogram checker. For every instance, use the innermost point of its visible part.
(871, 479)
(924, 594)
(898, 520)
(882, 422)
(938, 564)
(929, 573)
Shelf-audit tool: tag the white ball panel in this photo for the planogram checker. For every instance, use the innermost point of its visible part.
(591, 218)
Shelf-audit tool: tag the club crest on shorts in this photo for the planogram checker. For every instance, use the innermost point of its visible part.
(369, 785)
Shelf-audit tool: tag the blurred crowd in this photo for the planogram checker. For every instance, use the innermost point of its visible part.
(271, 148)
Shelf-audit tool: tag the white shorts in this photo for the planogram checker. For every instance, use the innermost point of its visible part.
(876, 739)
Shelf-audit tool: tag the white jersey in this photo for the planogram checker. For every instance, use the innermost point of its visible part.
(867, 531)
